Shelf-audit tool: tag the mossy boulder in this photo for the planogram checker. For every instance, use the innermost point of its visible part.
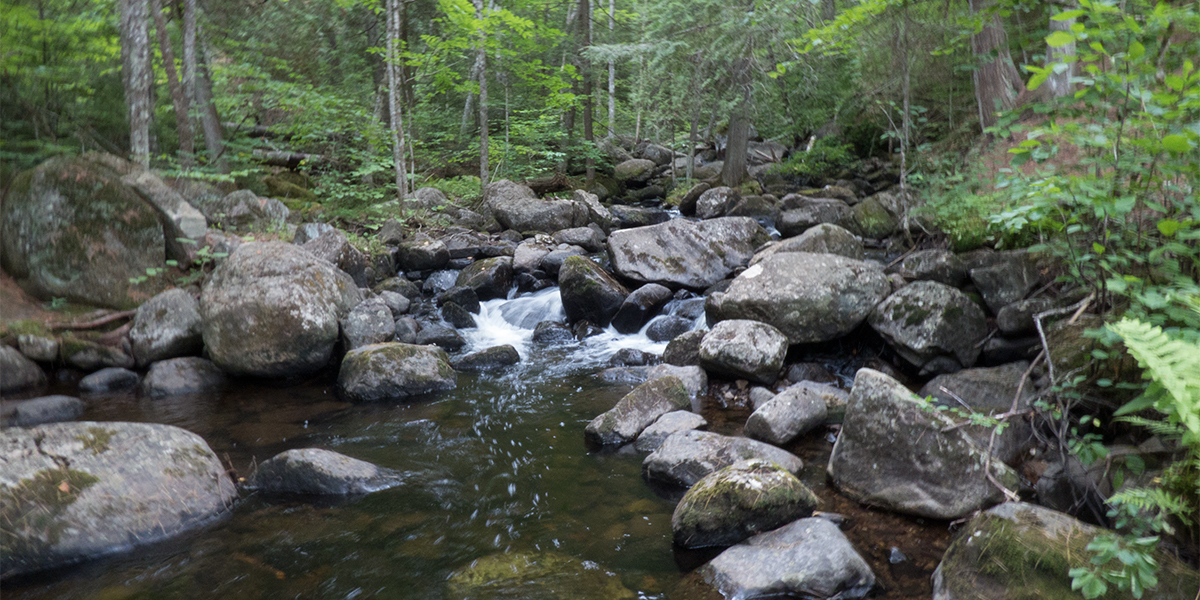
(285, 189)
(490, 277)
(926, 320)
(897, 453)
(272, 310)
(317, 472)
(71, 228)
(872, 219)
(1019, 551)
(744, 349)
(88, 355)
(637, 410)
(589, 292)
(74, 491)
(682, 253)
(245, 210)
(738, 501)
(395, 371)
(634, 171)
(535, 576)
(688, 456)
(809, 297)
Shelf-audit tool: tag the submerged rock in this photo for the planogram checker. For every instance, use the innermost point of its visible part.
(638, 409)
(394, 371)
(36, 411)
(112, 379)
(317, 472)
(744, 349)
(686, 457)
(75, 491)
(738, 501)
(535, 576)
(893, 453)
(809, 558)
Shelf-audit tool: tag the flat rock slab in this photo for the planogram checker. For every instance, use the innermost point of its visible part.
(75, 491)
(317, 472)
(681, 253)
(809, 558)
(686, 457)
(680, 420)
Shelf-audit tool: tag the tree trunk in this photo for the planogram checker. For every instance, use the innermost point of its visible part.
(394, 100)
(734, 170)
(585, 70)
(209, 119)
(481, 54)
(997, 81)
(469, 103)
(189, 57)
(1058, 84)
(135, 74)
(612, 74)
(179, 103)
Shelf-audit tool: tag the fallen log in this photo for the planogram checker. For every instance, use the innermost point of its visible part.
(291, 160)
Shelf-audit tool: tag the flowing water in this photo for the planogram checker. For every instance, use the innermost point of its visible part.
(498, 465)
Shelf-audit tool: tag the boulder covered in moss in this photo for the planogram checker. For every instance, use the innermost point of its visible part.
(809, 297)
(744, 349)
(688, 456)
(70, 492)
(871, 218)
(395, 371)
(926, 320)
(896, 452)
(535, 576)
(272, 310)
(166, 326)
(72, 228)
(738, 501)
(634, 171)
(809, 558)
(637, 410)
(1018, 550)
(490, 277)
(682, 253)
(317, 472)
(589, 292)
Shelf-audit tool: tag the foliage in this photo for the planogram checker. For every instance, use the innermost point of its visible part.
(826, 157)
(464, 189)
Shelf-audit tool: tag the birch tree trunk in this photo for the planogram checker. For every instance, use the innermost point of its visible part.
(135, 74)
(209, 120)
(179, 102)
(395, 100)
(997, 81)
(481, 54)
(1058, 84)
(612, 73)
(585, 26)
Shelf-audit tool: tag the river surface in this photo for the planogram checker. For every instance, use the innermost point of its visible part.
(498, 465)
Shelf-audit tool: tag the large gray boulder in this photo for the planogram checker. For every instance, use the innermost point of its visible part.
(1019, 550)
(394, 371)
(716, 202)
(926, 320)
(597, 213)
(317, 472)
(809, 558)
(990, 391)
(808, 297)
(637, 410)
(1009, 277)
(896, 453)
(490, 277)
(244, 209)
(422, 253)
(272, 310)
(821, 239)
(36, 411)
(589, 292)
(685, 253)
(634, 170)
(166, 326)
(941, 266)
(515, 206)
(686, 457)
(181, 221)
(744, 349)
(76, 491)
(789, 415)
(335, 247)
(368, 323)
(657, 432)
(803, 214)
(738, 501)
(18, 373)
(186, 375)
(71, 228)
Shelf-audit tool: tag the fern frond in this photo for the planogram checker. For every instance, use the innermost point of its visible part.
(1172, 365)
(1163, 429)
(1154, 500)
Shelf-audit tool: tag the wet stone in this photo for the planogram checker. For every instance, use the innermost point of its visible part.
(112, 379)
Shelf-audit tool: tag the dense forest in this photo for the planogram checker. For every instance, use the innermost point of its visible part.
(1071, 128)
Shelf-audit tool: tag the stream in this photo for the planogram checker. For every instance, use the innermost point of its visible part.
(498, 465)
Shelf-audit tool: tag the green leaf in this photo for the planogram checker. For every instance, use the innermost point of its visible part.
(1168, 227)
(1176, 143)
(1068, 15)
(1136, 50)
(1058, 39)
(1097, 248)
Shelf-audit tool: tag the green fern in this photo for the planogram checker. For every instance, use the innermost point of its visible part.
(1173, 368)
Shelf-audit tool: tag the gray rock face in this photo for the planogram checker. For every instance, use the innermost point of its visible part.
(74, 491)
(989, 391)
(686, 457)
(243, 209)
(639, 306)
(1009, 277)
(187, 375)
(825, 238)
(789, 415)
(741, 500)
(808, 297)
(585, 237)
(552, 262)
(892, 453)
(529, 254)
(976, 564)
(490, 277)
(809, 213)
(90, 356)
(637, 410)
(589, 292)
(57, 216)
(744, 349)
(179, 218)
(685, 253)
(716, 202)
(394, 371)
(272, 310)
(335, 247)
(166, 326)
(926, 319)
(422, 254)
(657, 432)
(18, 373)
(809, 558)
(112, 379)
(396, 303)
(311, 231)
(38, 347)
(941, 266)
(316, 472)
(429, 197)
(1016, 319)
(36, 411)
(634, 170)
(626, 217)
(668, 327)
(368, 323)
(442, 337)
(597, 213)
(684, 350)
(516, 207)
(488, 359)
